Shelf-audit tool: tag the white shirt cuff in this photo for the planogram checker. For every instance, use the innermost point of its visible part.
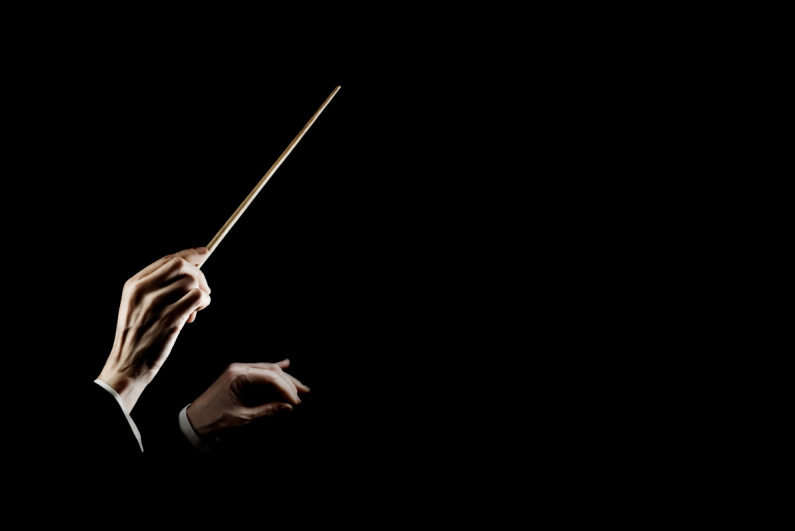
(184, 424)
(121, 405)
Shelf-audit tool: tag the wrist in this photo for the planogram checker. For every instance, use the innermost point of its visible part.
(124, 386)
(203, 443)
(202, 426)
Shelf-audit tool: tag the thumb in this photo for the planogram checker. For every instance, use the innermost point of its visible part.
(272, 409)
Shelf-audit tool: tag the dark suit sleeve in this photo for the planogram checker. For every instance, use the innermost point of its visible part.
(102, 431)
(95, 429)
(85, 451)
(163, 439)
(90, 457)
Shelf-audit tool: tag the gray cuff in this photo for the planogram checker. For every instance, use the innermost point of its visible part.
(184, 424)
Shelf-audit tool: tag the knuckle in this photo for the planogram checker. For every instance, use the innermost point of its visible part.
(194, 295)
(187, 282)
(180, 264)
(134, 289)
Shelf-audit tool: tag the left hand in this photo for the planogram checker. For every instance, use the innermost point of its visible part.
(243, 393)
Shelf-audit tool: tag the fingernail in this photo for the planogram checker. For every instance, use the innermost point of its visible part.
(200, 250)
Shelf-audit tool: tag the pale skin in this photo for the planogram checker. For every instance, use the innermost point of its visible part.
(156, 303)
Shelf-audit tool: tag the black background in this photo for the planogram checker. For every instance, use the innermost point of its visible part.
(466, 257)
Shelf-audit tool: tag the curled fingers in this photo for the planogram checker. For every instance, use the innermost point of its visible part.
(284, 387)
(173, 270)
(185, 308)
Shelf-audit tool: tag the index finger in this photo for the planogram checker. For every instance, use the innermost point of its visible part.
(195, 256)
(279, 367)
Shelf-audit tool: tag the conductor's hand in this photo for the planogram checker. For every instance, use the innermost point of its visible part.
(155, 304)
(243, 393)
